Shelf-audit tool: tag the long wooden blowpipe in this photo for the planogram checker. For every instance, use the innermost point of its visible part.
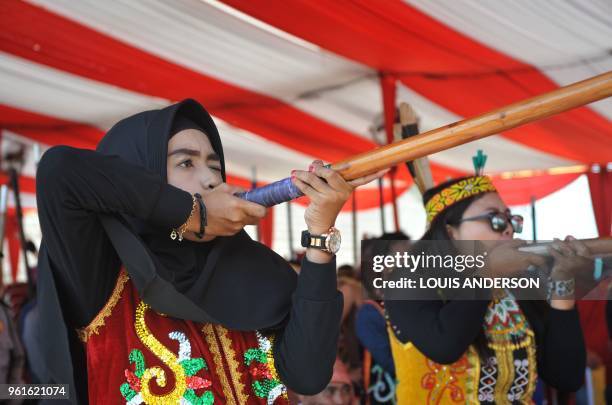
(468, 130)
(458, 133)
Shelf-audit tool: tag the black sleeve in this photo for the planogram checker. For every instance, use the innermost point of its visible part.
(305, 350)
(72, 187)
(561, 350)
(442, 331)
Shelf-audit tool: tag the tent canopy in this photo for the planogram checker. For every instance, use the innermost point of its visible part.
(288, 82)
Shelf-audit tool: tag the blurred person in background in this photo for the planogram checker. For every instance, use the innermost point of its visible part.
(372, 332)
(349, 348)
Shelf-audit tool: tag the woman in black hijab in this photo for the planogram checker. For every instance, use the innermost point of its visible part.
(107, 259)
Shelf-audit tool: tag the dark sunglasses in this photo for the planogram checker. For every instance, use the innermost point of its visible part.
(499, 221)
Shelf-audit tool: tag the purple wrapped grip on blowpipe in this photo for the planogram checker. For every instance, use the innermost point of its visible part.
(271, 194)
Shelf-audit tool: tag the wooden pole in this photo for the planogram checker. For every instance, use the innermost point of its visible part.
(597, 247)
(449, 136)
(502, 119)
(419, 168)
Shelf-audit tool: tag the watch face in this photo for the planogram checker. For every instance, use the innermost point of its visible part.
(333, 241)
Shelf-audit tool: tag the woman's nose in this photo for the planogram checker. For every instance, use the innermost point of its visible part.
(209, 180)
(509, 231)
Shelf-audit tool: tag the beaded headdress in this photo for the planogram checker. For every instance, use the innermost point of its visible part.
(460, 190)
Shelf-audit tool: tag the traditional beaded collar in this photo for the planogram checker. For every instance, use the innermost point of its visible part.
(456, 192)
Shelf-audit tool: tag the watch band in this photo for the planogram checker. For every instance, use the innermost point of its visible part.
(314, 241)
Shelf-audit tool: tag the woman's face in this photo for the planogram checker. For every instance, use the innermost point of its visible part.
(192, 164)
(480, 229)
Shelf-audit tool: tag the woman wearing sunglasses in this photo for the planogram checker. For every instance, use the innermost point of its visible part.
(487, 351)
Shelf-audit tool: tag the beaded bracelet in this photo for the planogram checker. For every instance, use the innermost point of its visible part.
(560, 288)
(178, 233)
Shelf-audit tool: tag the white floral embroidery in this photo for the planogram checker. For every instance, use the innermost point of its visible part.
(184, 345)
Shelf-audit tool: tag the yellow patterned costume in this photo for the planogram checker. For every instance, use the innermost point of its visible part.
(508, 376)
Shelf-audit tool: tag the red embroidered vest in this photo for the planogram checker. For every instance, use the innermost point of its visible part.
(137, 356)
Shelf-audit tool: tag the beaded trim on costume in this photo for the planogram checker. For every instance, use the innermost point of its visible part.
(513, 371)
(232, 363)
(215, 349)
(456, 192)
(472, 376)
(94, 326)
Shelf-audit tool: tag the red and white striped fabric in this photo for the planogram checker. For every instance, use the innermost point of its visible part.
(290, 81)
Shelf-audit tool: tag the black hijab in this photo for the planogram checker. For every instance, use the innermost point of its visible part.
(233, 281)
